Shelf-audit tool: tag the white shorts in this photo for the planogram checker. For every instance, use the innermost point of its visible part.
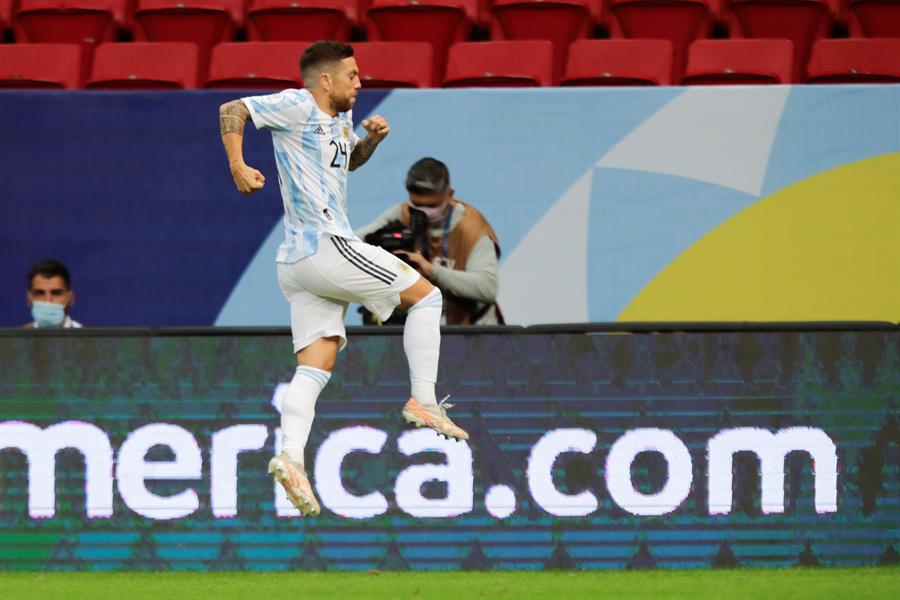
(319, 287)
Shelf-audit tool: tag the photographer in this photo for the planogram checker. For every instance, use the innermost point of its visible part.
(445, 239)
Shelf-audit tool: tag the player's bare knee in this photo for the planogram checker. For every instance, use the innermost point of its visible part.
(321, 354)
(416, 292)
(433, 299)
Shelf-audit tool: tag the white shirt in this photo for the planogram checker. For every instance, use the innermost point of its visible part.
(312, 151)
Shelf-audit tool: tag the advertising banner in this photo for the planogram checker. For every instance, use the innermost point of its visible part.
(679, 450)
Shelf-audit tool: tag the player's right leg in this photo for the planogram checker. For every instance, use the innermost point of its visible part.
(315, 362)
(317, 326)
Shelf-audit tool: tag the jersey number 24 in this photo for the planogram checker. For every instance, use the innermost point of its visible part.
(342, 150)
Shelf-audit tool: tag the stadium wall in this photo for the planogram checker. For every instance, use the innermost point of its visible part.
(742, 203)
(147, 450)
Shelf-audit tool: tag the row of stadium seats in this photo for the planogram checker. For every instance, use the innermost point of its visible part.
(861, 17)
(445, 22)
(274, 65)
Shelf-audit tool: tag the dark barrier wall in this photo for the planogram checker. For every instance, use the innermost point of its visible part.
(590, 451)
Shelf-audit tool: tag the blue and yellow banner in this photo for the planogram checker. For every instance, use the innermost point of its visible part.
(747, 203)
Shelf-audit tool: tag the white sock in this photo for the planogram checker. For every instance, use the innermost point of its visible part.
(422, 344)
(299, 408)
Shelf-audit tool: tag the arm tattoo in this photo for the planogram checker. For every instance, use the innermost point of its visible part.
(362, 153)
(232, 117)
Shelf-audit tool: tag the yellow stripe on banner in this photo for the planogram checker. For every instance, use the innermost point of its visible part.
(825, 248)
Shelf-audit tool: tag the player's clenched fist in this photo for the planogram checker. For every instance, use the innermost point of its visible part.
(246, 178)
(376, 127)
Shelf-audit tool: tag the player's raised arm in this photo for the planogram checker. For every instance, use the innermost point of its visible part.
(377, 129)
(232, 118)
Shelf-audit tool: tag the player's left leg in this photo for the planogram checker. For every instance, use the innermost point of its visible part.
(422, 344)
(359, 272)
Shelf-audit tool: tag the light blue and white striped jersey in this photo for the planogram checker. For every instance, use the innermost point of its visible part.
(312, 151)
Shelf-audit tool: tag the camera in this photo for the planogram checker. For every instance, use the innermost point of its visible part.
(396, 237)
(404, 239)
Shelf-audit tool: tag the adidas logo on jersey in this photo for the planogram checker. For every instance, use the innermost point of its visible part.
(319, 130)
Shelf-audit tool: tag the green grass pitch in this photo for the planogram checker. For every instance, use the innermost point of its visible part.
(787, 584)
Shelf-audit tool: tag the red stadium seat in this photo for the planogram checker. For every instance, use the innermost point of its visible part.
(84, 22)
(300, 20)
(750, 62)
(679, 21)
(144, 66)
(40, 66)
(394, 64)
(256, 65)
(874, 18)
(801, 21)
(855, 61)
(619, 63)
(438, 22)
(559, 21)
(521, 63)
(722, 13)
(122, 11)
(201, 22)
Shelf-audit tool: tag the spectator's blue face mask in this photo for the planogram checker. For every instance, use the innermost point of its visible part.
(48, 314)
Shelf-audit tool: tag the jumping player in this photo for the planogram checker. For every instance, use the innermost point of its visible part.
(322, 266)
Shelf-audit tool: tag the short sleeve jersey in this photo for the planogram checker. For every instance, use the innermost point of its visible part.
(312, 151)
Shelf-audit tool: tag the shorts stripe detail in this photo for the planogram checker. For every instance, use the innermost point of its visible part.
(373, 265)
(361, 266)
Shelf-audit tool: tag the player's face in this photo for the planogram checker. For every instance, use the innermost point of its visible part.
(49, 289)
(345, 85)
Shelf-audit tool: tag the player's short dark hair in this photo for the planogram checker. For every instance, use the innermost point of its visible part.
(428, 176)
(49, 268)
(320, 55)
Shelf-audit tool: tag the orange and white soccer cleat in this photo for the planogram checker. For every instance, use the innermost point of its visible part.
(293, 479)
(434, 417)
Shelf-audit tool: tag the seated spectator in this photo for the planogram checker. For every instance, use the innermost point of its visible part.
(50, 296)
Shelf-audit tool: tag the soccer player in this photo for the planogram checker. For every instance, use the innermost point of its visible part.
(322, 266)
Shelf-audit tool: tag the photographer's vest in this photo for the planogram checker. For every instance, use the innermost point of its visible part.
(462, 238)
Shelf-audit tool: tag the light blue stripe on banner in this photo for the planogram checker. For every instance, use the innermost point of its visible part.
(862, 121)
(642, 221)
